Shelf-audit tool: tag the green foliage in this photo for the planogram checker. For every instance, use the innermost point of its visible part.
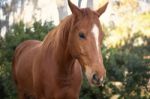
(18, 34)
(127, 70)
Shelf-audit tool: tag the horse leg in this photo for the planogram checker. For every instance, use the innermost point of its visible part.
(21, 95)
(25, 96)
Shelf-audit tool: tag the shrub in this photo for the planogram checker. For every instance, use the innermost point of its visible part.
(17, 34)
(127, 70)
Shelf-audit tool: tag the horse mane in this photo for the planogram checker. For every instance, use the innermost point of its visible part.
(59, 33)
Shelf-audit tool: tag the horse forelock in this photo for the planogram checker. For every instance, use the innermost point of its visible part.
(86, 11)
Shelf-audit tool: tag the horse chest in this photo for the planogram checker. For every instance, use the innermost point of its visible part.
(66, 93)
(65, 90)
(64, 87)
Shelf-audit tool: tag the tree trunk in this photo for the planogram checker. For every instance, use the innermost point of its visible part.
(79, 3)
(62, 8)
(90, 4)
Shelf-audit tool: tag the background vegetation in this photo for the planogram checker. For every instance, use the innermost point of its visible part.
(127, 65)
(126, 47)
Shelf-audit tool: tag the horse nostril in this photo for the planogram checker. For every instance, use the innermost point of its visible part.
(96, 78)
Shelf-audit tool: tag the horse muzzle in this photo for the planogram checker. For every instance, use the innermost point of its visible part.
(96, 80)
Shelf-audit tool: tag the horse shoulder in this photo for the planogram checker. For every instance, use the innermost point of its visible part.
(22, 64)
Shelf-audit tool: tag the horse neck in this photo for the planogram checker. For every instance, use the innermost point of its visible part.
(59, 46)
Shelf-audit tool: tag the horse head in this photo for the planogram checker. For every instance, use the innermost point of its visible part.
(85, 40)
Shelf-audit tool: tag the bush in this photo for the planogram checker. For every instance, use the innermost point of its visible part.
(127, 71)
(16, 35)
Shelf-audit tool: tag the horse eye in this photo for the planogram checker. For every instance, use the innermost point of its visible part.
(81, 35)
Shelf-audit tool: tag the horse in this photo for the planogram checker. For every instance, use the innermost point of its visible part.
(52, 68)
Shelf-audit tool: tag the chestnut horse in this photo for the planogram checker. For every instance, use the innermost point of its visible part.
(52, 68)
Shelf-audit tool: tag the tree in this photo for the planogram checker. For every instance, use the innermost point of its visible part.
(90, 3)
(79, 3)
(62, 8)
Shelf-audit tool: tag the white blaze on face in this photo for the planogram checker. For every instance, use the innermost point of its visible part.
(95, 32)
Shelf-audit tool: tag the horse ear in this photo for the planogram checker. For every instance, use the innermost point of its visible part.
(101, 10)
(74, 9)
